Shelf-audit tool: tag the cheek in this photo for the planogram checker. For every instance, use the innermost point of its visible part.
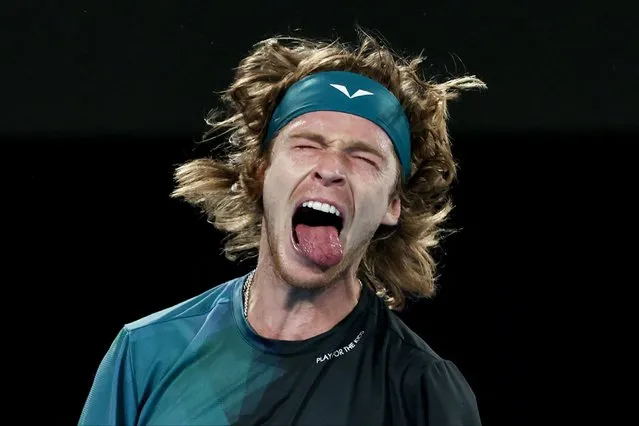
(300, 159)
(371, 209)
(279, 177)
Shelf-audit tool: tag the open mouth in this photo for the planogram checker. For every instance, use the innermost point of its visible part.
(314, 214)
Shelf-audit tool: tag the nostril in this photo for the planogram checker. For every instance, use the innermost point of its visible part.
(329, 177)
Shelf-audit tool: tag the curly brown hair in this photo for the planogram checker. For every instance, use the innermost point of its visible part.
(227, 187)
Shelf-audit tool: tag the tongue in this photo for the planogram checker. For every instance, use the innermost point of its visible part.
(320, 244)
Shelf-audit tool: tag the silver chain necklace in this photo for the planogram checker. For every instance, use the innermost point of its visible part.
(247, 289)
(245, 292)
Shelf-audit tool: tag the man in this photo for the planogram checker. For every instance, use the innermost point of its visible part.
(336, 175)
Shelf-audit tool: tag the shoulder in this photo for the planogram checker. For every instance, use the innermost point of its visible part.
(425, 379)
(410, 342)
(147, 350)
(173, 328)
(155, 343)
(198, 306)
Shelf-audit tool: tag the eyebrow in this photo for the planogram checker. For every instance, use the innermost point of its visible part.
(355, 144)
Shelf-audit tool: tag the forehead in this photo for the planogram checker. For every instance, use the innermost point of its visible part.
(339, 125)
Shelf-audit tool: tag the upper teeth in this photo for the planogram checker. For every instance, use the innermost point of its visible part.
(316, 205)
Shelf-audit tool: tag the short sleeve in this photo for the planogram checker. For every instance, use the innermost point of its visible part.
(449, 398)
(112, 399)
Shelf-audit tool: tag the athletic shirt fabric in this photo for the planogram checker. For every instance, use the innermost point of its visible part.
(201, 363)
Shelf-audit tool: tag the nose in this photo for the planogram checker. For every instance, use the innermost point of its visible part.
(329, 171)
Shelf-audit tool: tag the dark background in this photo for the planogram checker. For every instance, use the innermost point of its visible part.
(101, 101)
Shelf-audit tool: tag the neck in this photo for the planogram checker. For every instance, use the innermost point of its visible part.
(281, 311)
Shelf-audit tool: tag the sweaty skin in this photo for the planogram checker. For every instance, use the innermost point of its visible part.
(349, 162)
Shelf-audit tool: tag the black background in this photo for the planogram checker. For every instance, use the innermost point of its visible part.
(102, 100)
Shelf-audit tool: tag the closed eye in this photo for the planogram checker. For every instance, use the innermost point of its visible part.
(368, 160)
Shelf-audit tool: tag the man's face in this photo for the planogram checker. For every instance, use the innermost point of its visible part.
(340, 163)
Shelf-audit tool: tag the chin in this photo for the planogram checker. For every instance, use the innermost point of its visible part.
(299, 272)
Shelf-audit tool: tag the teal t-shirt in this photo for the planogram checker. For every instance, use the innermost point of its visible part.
(201, 363)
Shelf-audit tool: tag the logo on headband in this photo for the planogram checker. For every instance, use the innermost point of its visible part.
(357, 94)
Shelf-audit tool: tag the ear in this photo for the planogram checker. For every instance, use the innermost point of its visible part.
(261, 170)
(392, 213)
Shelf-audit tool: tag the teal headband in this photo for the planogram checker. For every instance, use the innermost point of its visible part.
(350, 93)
